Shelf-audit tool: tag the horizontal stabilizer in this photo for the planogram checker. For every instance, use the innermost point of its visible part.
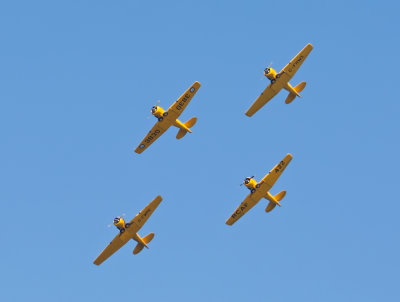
(150, 236)
(139, 247)
(272, 204)
(292, 95)
(190, 123)
(181, 133)
(280, 195)
(146, 239)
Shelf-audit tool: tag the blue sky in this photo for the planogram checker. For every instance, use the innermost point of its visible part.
(78, 81)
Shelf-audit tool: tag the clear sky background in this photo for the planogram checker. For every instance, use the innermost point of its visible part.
(78, 79)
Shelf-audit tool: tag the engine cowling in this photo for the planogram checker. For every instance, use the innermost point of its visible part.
(250, 183)
(270, 73)
(119, 222)
(157, 111)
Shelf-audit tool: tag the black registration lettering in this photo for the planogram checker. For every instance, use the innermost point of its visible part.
(152, 136)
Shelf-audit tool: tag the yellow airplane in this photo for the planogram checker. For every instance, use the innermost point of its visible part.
(260, 190)
(129, 231)
(169, 118)
(281, 80)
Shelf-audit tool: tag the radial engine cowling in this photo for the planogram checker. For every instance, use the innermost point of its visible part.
(119, 222)
(270, 73)
(250, 183)
(157, 111)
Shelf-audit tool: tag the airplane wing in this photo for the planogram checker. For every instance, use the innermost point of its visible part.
(269, 180)
(265, 97)
(249, 202)
(290, 69)
(159, 128)
(141, 218)
(118, 242)
(177, 108)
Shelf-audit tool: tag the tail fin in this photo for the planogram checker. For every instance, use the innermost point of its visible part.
(146, 239)
(278, 197)
(292, 95)
(190, 123)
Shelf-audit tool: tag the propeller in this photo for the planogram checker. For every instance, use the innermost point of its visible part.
(150, 115)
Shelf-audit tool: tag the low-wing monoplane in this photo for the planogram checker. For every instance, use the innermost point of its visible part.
(281, 80)
(261, 190)
(169, 118)
(129, 231)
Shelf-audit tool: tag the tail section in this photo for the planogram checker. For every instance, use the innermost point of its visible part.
(295, 93)
(189, 124)
(275, 201)
(280, 195)
(146, 239)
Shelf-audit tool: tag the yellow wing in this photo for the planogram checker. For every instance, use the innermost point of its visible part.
(265, 97)
(159, 128)
(290, 69)
(177, 108)
(269, 180)
(250, 201)
(144, 214)
(114, 246)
